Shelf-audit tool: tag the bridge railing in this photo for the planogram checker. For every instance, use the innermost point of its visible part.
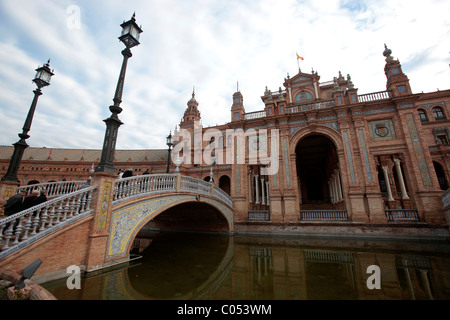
(222, 195)
(190, 184)
(54, 189)
(29, 225)
(152, 184)
(129, 187)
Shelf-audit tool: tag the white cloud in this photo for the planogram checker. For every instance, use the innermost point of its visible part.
(207, 44)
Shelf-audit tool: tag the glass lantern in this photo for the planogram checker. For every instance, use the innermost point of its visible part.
(43, 75)
(130, 33)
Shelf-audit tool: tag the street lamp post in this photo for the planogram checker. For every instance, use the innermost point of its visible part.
(170, 145)
(130, 37)
(42, 79)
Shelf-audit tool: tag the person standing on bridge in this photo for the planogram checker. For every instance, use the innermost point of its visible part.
(14, 205)
(28, 202)
(41, 198)
(128, 173)
(87, 183)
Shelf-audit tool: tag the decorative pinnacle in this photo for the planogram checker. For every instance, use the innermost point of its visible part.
(387, 53)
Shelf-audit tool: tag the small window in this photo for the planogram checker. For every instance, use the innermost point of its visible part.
(438, 113)
(282, 109)
(236, 115)
(353, 97)
(442, 139)
(339, 100)
(401, 89)
(423, 115)
(395, 71)
(270, 111)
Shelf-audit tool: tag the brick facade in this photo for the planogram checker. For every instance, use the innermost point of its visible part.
(337, 150)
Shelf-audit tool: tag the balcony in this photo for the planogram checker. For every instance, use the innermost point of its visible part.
(375, 96)
(318, 105)
(254, 115)
(402, 215)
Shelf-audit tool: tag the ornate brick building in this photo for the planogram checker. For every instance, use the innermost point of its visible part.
(339, 154)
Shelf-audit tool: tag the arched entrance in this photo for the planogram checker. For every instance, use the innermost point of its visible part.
(225, 184)
(191, 216)
(318, 175)
(440, 173)
(189, 211)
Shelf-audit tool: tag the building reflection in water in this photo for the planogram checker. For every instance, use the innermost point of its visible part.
(184, 266)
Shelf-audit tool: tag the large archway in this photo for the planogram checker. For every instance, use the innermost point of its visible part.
(318, 175)
(191, 216)
(128, 219)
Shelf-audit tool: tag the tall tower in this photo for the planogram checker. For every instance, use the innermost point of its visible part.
(397, 81)
(237, 109)
(191, 114)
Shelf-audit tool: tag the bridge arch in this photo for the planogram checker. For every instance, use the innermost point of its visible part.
(128, 219)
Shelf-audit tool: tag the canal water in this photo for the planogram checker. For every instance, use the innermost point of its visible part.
(186, 266)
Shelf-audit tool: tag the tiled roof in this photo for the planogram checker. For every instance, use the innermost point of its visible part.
(88, 155)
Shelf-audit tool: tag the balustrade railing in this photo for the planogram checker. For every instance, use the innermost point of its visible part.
(311, 106)
(375, 96)
(222, 195)
(323, 215)
(402, 215)
(150, 184)
(328, 256)
(259, 215)
(445, 196)
(254, 115)
(24, 227)
(189, 184)
(129, 187)
(54, 189)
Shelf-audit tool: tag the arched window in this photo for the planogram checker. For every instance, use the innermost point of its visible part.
(438, 113)
(440, 173)
(303, 96)
(423, 115)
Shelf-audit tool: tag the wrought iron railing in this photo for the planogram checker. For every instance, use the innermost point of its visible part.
(402, 215)
(328, 256)
(259, 215)
(323, 215)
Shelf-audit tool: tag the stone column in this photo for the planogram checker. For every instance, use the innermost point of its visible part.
(388, 183)
(250, 187)
(256, 189)
(338, 179)
(331, 191)
(267, 193)
(102, 206)
(400, 179)
(263, 195)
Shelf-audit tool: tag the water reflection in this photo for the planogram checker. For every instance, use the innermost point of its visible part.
(187, 266)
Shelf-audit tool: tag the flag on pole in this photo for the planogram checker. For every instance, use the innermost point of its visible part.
(298, 57)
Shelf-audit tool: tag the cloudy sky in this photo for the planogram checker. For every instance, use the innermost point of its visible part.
(209, 44)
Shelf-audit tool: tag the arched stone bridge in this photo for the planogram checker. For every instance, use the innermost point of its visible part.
(94, 226)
